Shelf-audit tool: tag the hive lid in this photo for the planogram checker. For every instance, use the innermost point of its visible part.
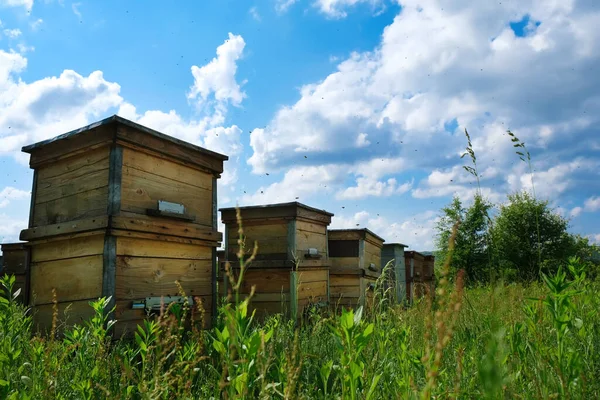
(280, 210)
(395, 244)
(115, 119)
(365, 230)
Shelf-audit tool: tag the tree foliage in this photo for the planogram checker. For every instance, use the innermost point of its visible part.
(471, 243)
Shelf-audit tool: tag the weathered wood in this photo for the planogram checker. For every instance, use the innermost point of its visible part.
(291, 241)
(67, 249)
(69, 314)
(77, 206)
(169, 169)
(311, 227)
(82, 225)
(72, 183)
(142, 190)
(75, 167)
(161, 238)
(293, 210)
(74, 279)
(160, 249)
(294, 294)
(68, 145)
(14, 258)
(109, 271)
(316, 290)
(214, 287)
(32, 200)
(115, 180)
(164, 226)
(139, 277)
(143, 137)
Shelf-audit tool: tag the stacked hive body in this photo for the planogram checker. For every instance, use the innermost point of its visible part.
(355, 265)
(120, 210)
(394, 253)
(419, 274)
(291, 269)
(15, 261)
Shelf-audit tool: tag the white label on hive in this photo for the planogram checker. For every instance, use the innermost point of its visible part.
(167, 206)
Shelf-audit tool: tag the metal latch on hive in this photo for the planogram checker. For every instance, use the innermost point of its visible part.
(155, 303)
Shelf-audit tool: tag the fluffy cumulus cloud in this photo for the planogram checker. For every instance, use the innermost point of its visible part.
(26, 4)
(443, 66)
(417, 232)
(38, 110)
(10, 228)
(338, 8)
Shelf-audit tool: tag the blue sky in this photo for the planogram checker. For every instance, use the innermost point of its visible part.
(354, 106)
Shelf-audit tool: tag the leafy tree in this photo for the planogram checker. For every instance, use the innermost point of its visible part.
(471, 243)
(530, 237)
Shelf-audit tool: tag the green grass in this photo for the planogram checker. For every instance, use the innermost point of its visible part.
(507, 341)
(482, 343)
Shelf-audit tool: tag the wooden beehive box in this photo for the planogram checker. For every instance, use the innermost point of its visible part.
(414, 262)
(286, 276)
(121, 210)
(355, 265)
(394, 253)
(15, 261)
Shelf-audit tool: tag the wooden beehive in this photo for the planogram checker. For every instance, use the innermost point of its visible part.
(394, 253)
(15, 261)
(355, 265)
(121, 210)
(414, 274)
(291, 269)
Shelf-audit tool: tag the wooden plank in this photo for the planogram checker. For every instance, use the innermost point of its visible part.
(308, 276)
(109, 271)
(115, 180)
(46, 231)
(142, 190)
(294, 293)
(311, 227)
(75, 167)
(214, 279)
(345, 262)
(162, 238)
(345, 234)
(139, 277)
(160, 249)
(342, 280)
(67, 249)
(170, 149)
(313, 290)
(256, 222)
(32, 200)
(291, 241)
(266, 231)
(314, 215)
(74, 279)
(164, 226)
(168, 169)
(351, 292)
(69, 314)
(14, 258)
(68, 184)
(266, 281)
(88, 204)
(265, 246)
(74, 145)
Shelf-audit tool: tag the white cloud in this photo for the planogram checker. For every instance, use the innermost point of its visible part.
(9, 194)
(592, 204)
(298, 184)
(402, 94)
(366, 187)
(35, 25)
(254, 13)
(27, 4)
(10, 228)
(595, 238)
(417, 231)
(282, 6)
(75, 8)
(575, 212)
(361, 140)
(337, 8)
(12, 33)
(218, 76)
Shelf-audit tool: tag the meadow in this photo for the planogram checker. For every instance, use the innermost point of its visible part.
(493, 341)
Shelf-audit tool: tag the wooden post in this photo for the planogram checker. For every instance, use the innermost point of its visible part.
(294, 295)
(215, 269)
(33, 193)
(291, 240)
